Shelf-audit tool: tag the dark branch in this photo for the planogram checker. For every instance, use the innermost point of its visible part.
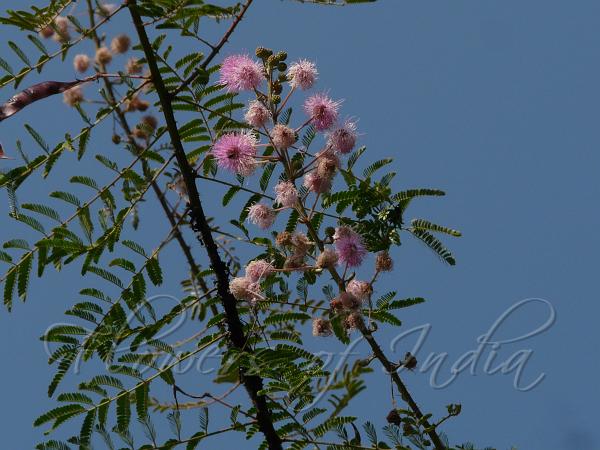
(252, 383)
(215, 50)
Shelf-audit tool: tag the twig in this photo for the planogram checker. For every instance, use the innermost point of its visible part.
(252, 383)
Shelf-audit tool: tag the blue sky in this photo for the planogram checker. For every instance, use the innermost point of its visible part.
(494, 102)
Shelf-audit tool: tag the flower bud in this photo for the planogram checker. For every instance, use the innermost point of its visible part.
(394, 418)
(282, 67)
(103, 56)
(120, 43)
(263, 52)
(383, 262)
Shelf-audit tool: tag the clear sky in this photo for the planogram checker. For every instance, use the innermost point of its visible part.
(495, 102)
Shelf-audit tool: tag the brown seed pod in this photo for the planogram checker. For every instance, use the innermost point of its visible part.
(34, 93)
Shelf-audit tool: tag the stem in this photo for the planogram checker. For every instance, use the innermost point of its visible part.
(214, 52)
(252, 383)
(391, 369)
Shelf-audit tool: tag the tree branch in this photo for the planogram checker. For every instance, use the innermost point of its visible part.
(252, 383)
(214, 52)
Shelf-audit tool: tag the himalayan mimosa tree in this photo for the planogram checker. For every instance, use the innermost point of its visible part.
(315, 221)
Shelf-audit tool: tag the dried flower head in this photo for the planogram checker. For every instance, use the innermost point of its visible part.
(343, 139)
(73, 96)
(136, 104)
(301, 242)
(349, 301)
(282, 136)
(327, 163)
(120, 43)
(360, 289)
(236, 152)
(321, 327)
(103, 56)
(46, 32)
(284, 239)
(383, 262)
(81, 62)
(316, 183)
(61, 33)
(349, 246)
(258, 269)
(322, 110)
(261, 215)
(336, 304)
(327, 259)
(302, 74)
(240, 73)
(294, 261)
(286, 194)
(352, 321)
(133, 66)
(257, 114)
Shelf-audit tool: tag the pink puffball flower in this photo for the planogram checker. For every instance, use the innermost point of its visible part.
(282, 136)
(317, 183)
(349, 246)
(257, 114)
(360, 289)
(286, 194)
(243, 288)
(322, 110)
(236, 152)
(261, 215)
(302, 74)
(240, 73)
(343, 139)
(258, 269)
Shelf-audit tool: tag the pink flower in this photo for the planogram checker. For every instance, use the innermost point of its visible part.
(259, 268)
(261, 215)
(302, 74)
(322, 110)
(349, 246)
(282, 136)
(235, 152)
(240, 73)
(286, 194)
(316, 183)
(360, 289)
(242, 288)
(343, 138)
(257, 114)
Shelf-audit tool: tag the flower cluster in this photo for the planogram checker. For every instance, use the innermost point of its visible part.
(269, 139)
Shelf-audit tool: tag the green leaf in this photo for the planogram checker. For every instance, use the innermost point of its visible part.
(123, 412)
(154, 271)
(141, 401)
(423, 224)
(24, 274)
(434, 244)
